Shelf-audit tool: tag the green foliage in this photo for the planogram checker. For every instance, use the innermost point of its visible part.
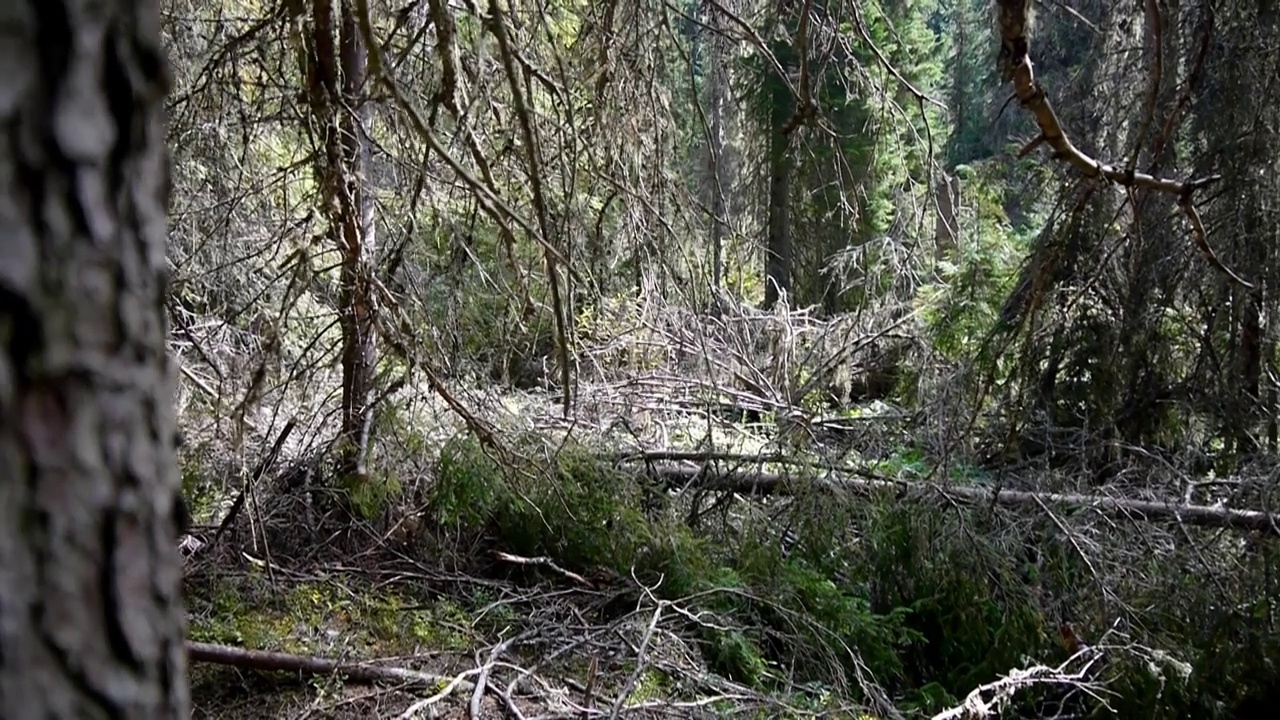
(369, 496)
(200, 495)
(738, 658)
(466, 491)
(777, 609)
(1214, 652)
(856, 169)
(973, 87)
(614, 328)
(966, 628)
(962, 307)
(744, 276)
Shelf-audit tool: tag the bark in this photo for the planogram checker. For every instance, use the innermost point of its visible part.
(717, 100)
(263, 660)
(1151, 272)
(778, 251)
(946, 227)
(336, 68)
(1251, 375)
(358, 244)
(91, 619)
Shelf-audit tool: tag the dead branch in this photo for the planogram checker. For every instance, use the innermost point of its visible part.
(498, 28)
(988, 700)
(1014, 20)
(287, 662)
(768, 483)
(251, 481)
(544, 561)
(413, 710)
(641, 660)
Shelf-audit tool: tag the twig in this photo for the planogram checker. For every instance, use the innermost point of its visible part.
(423, 704)
(263, 466)
(640, 657)
(477, 693)
(977, 706)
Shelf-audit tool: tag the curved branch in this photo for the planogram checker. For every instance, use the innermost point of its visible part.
(1014, 19)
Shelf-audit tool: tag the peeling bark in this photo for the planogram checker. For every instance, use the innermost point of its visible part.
(91, 619)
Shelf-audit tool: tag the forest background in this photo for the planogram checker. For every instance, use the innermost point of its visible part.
(728, 357)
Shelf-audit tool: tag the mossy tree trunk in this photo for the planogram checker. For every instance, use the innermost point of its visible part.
(91, 619)
(337, 68)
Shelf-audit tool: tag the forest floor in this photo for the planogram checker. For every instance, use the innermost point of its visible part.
(454, 646)
(698, 544)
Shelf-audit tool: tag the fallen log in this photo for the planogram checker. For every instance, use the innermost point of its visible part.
(768, 483)
(312, 666)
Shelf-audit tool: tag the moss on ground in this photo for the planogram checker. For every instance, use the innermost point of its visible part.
(928, 598)
(308, 616)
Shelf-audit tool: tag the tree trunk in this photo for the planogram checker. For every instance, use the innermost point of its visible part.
(778, 250)
(359, 348)
(336, 75)
(717, 175)
(946, 227)
(91, 618)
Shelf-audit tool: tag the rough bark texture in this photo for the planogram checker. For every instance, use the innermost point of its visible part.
(718, 180)
(91, 620)
(946, 227)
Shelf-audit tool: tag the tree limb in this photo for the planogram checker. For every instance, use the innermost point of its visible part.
(1014, 21)
(768, 483)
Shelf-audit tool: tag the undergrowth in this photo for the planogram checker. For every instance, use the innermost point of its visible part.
(914, 595)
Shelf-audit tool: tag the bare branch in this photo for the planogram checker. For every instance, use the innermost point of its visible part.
(288, 662)
(1014, 18)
